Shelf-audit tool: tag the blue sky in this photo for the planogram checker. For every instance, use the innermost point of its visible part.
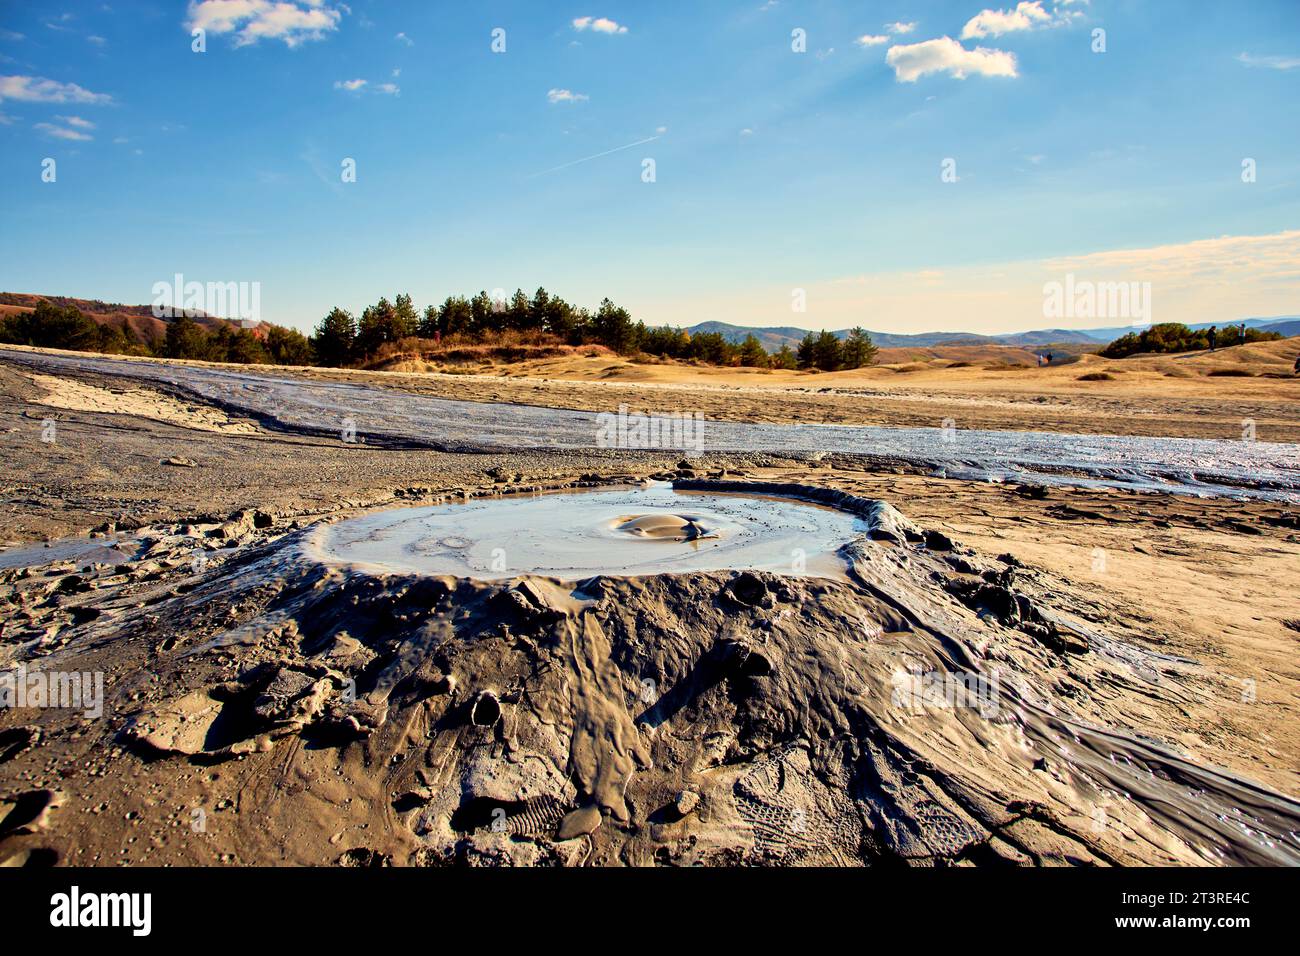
(775, 170)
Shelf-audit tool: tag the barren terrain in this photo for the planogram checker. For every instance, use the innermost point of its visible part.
(1148, 632)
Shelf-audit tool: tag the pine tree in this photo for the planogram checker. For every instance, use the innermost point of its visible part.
(858, 350)
(807, 356)
(784, 358)
(752, 353)
(335, 338)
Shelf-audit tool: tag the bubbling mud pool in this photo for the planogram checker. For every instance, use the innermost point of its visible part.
(575, 535)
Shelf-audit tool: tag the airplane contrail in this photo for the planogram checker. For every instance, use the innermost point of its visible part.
(585, 159)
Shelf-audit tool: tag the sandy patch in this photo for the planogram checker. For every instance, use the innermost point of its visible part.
(141, 402)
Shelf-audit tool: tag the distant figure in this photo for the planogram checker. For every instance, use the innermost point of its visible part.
(1049, 358)
(1243, 333)
(1212, 334)
(1040, 359)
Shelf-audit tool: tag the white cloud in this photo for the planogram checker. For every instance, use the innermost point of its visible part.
(360, 86)
(98, 41)
(871, 40)
(946, 55)
(293, 21)
(565, 96)
(598, 25)
(403, 38)
(76, 121)
(34, 89)
(1027, 15)
(900, 28)
(1270, 62)
(59, 132)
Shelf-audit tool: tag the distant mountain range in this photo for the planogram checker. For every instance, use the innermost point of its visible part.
(773, 337)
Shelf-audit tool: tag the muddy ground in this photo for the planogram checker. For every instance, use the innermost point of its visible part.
(405, 771)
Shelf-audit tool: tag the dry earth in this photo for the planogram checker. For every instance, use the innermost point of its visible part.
(1182, 580)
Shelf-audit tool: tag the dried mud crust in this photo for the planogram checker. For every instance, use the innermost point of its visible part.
(319, 715)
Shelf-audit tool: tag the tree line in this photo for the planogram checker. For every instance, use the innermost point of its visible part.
(341, 339)
(344, 339)
(1176, 337)
(66, 327)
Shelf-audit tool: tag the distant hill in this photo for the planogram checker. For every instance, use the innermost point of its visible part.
(773, 337)
(138, 318)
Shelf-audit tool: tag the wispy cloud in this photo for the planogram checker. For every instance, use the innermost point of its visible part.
(1270, 62)
(76, 121)
(587, 159)
(403, 38)
(36, 89)
(899, 28)
(292, 21)
(946, 55)
(869, 39)
(598, 25)
(62, 132)
(565, 96)
(359, 85)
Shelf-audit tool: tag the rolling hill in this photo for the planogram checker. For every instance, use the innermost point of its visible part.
(139, 319)
(773, 337)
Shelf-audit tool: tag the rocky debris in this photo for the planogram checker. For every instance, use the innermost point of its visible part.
(292, 699)
(364, 857)
(178, 462)
(343, 652)
(352, 720)
(685, 802)
(938, 541)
